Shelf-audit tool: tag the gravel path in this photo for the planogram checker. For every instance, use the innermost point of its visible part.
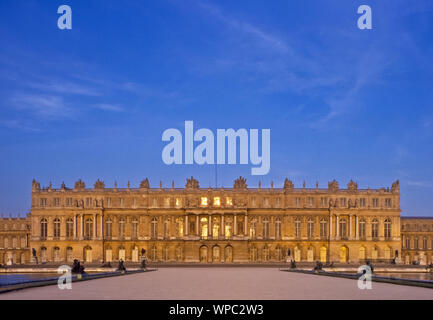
(221, 283)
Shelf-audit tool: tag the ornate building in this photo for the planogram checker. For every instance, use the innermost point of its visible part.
(210, 225)
(14, 240)
(417, 239)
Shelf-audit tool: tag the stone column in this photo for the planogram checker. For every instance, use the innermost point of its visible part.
(94, 226)
(337, 227)
(222, 226)
(186, 225)
(197, 225)
(356, 228)
(101, 227)
(246, 227)
(209, 231)
(235, 227)
(75, 226)
(350, 227)
(330, 226)
(82, 226)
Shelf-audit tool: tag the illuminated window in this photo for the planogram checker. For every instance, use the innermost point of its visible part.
(167, 202)
(204, 201)
(229, 201)
(217, 201)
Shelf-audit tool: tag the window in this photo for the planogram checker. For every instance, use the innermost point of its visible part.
(362, 202)
(108, 202)
(121, 228)
(229, 201)
(278, 201)
(362, 229)
(310, 201)
(265, 201)
(69, 228)
(424, 243)
(297, 228)
(88, 202)
(375, 228)
(134, 202)
(69, 202)
(343, 202)
(416, 244)
(154, 202)
(203, 201)
(44, 229)
(408, 243)
(310, 228)
(323, 202)
(323, 228)
(121, 202)
(217, 201)
(343, 228)
(134, 234)
(89, 228)
(265, 229)
(387, 229)
(278, 229)
(108, 229)
(179, 228)
(167, 202)
(166, 229)
(43, 202)
(388, 202)
(56, 228)
(298, 202)
(253, 201)
(56, 202)
(375, 202)
(178, 202)
(154, 228)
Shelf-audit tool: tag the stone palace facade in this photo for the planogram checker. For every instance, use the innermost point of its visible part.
(215, 225)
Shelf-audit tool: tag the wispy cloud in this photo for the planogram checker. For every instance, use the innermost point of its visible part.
(108, 107)
(65, 88)
(43, 106)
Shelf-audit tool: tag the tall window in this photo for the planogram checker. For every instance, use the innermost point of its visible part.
(89, 228)
(388, 202)
(265, 229)
(203, 201)
(310, 228)
(323, 228)
(278, 229)
(88, 202)
(56, 228)
(375, 202)
(108, 229)
(416, 244)
(310, 201)
(121, 228)
(362, 202)
(343, 228)
(44, 225)
(298, 202)
(179, 227)
(323, 202)
(297, 228)
(375, 228)
(229, 201)
(68, 202)
(362, 229)
(43, 202)
(217, 201)
(343, 202)
(134, 234)
(56, 202)
(154, 228)
(408, 243)
(424, 243)
(387, 229)
(166, 228)
(69, 228)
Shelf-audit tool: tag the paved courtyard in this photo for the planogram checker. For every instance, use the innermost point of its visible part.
(221, 283)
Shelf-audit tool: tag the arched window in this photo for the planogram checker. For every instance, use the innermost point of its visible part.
(56, 228)
(108, 229)
(89, 228)
(323, 228)
(343, 228)
(265, 228)
(424, 243)
(121, 228)
(375, 228)
(408, 242)
(297, 228)
(387, 229)
(278, 229)
(44, 225)
(154, 228)
(361, 229)
(310, 228)
(416, 243)
(69, 228)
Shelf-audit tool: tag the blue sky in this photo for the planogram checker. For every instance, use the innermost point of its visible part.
(92, 102)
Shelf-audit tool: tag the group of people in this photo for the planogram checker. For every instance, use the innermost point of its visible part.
(77, 267)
